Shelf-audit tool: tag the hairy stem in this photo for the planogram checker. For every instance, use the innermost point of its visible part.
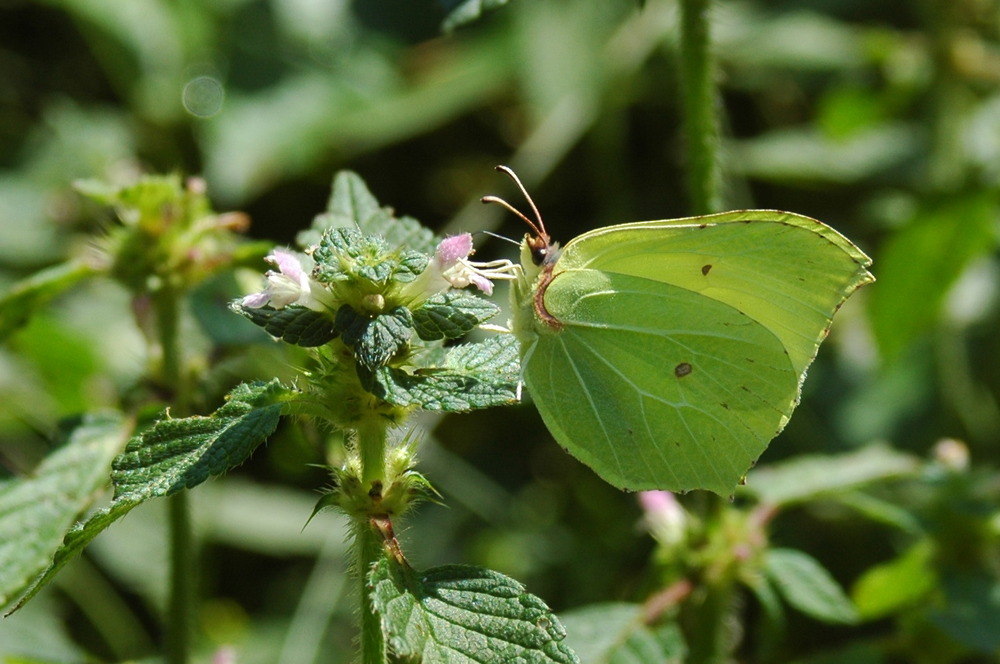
(701, 123)
(369, 547)
(371, 442)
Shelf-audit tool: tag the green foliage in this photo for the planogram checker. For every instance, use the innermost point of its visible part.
(173, 455)
(470, 376)
(618, 633)
(353, 206)
(391, 306)
(807, 586)
(23, 301)
(451, 315)
(37, 511)
(296, 325)
(458, 613)
(879, 118)
(943, 239)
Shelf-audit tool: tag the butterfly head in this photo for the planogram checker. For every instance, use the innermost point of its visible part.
(541, 249)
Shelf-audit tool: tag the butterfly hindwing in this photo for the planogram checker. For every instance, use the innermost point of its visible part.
(655, 386)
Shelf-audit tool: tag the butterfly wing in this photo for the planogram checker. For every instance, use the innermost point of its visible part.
(682, 344)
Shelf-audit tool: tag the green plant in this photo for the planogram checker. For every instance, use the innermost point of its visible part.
(879, 119)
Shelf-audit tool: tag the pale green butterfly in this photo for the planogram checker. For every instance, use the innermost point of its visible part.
(667, 354)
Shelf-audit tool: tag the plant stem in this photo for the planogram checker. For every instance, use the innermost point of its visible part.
(701, 124)
(371, 447)
(181, 580)
(182, 595)
(709, 637)
(369, 549)
(371, 441)
(167, 323)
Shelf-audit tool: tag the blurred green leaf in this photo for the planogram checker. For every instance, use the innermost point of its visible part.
(618, 634)
(881, 511)
(804, 154)
(21, 301)
(898, 584)
(753, 37)
(808, 587)
(365, 105)
(810, 477)
(38, 635)
(36, 511)
(458, 614)
(921, 262)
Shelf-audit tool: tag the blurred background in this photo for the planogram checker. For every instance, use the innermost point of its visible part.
(881, 119)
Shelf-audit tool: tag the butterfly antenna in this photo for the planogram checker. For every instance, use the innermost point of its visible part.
(538, 225)
(497, 235)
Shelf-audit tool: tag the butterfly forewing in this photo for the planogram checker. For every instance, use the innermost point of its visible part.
(787, 272)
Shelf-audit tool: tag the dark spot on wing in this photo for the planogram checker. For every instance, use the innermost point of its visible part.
(705, 269)
(683, 369)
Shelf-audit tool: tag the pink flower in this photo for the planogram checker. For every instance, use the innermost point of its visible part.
(291, 284)
(451, 268)
(664, 517)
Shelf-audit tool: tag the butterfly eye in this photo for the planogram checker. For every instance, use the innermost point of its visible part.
(539, 247)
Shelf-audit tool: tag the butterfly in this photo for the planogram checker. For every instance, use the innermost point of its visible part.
(667, 354)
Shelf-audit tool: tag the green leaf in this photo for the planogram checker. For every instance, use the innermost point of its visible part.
(618, 634)
(352, 205)
(375, 340)
(881, 511)
(475, 375)
(660, 644)
(345, 254)
(293, 324)
(807, 155)
(469, 11)
(902, 582)
(177, 454)
(459, 614)
(771, 625)
(451, 315)
(920, 263)
(180, 454)
(808, 587)
(19, 303)
(351, 199)
(807, 477)
(36, 511)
